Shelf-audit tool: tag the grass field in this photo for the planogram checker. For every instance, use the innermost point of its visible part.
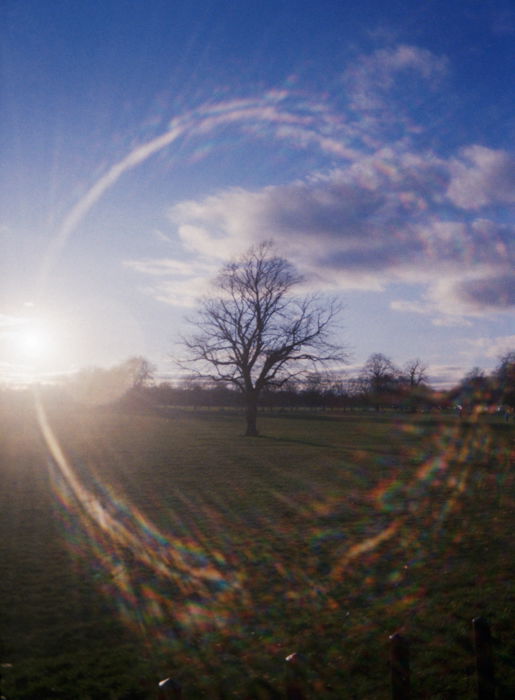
(136, 547)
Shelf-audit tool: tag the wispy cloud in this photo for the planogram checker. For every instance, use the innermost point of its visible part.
(175, 282)
(384, 211)
(371, 78)
(170, 266)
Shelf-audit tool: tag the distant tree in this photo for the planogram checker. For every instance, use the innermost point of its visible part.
(254, 333)
(357, 388)
(140, 372)
(312, 393)
(99, 385)
(336, 395)
(475, 389)
(381, 376)
(504, 377)
(415, 373)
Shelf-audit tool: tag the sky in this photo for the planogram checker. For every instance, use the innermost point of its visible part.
(144, 143)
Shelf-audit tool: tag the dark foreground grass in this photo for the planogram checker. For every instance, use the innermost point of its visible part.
(135, 547)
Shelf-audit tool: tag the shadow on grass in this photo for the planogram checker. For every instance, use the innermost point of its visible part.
(429, 420)
(295, 441)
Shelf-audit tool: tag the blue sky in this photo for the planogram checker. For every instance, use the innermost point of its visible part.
(144, 143)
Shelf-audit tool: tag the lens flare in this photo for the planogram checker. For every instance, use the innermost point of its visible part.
(162, 583)
(314, 553)
(282, 113)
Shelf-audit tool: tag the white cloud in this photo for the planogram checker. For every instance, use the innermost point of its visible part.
(482, 176)
(359, 212)
(493, 347)
(363, 226)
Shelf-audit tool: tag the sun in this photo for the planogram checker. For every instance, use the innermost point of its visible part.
(35, 343)
(35, 349)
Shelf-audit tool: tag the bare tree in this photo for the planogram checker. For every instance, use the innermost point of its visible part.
(504, 376)
(381, 376)
(380, 372)
(254, 333)
(415, 372)
(139, 371)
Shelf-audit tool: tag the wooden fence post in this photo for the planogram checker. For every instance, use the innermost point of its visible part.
(484, 659)
(295, 684)
(169, 690)
(400, 667)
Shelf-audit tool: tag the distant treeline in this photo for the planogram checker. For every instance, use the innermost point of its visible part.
(379, 386)
(322, 395)
(478, 392)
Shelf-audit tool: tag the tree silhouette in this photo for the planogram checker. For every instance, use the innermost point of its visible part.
(415, 372)
(254, 333)
(381, 376)
(139, 371)
(504, 376)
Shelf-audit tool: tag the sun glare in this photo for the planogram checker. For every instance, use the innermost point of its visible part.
(37, 348)
(35, 343)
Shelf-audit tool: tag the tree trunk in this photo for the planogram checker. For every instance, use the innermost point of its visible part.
(251, 414)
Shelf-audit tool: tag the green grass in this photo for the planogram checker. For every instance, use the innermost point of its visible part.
(174, 546)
